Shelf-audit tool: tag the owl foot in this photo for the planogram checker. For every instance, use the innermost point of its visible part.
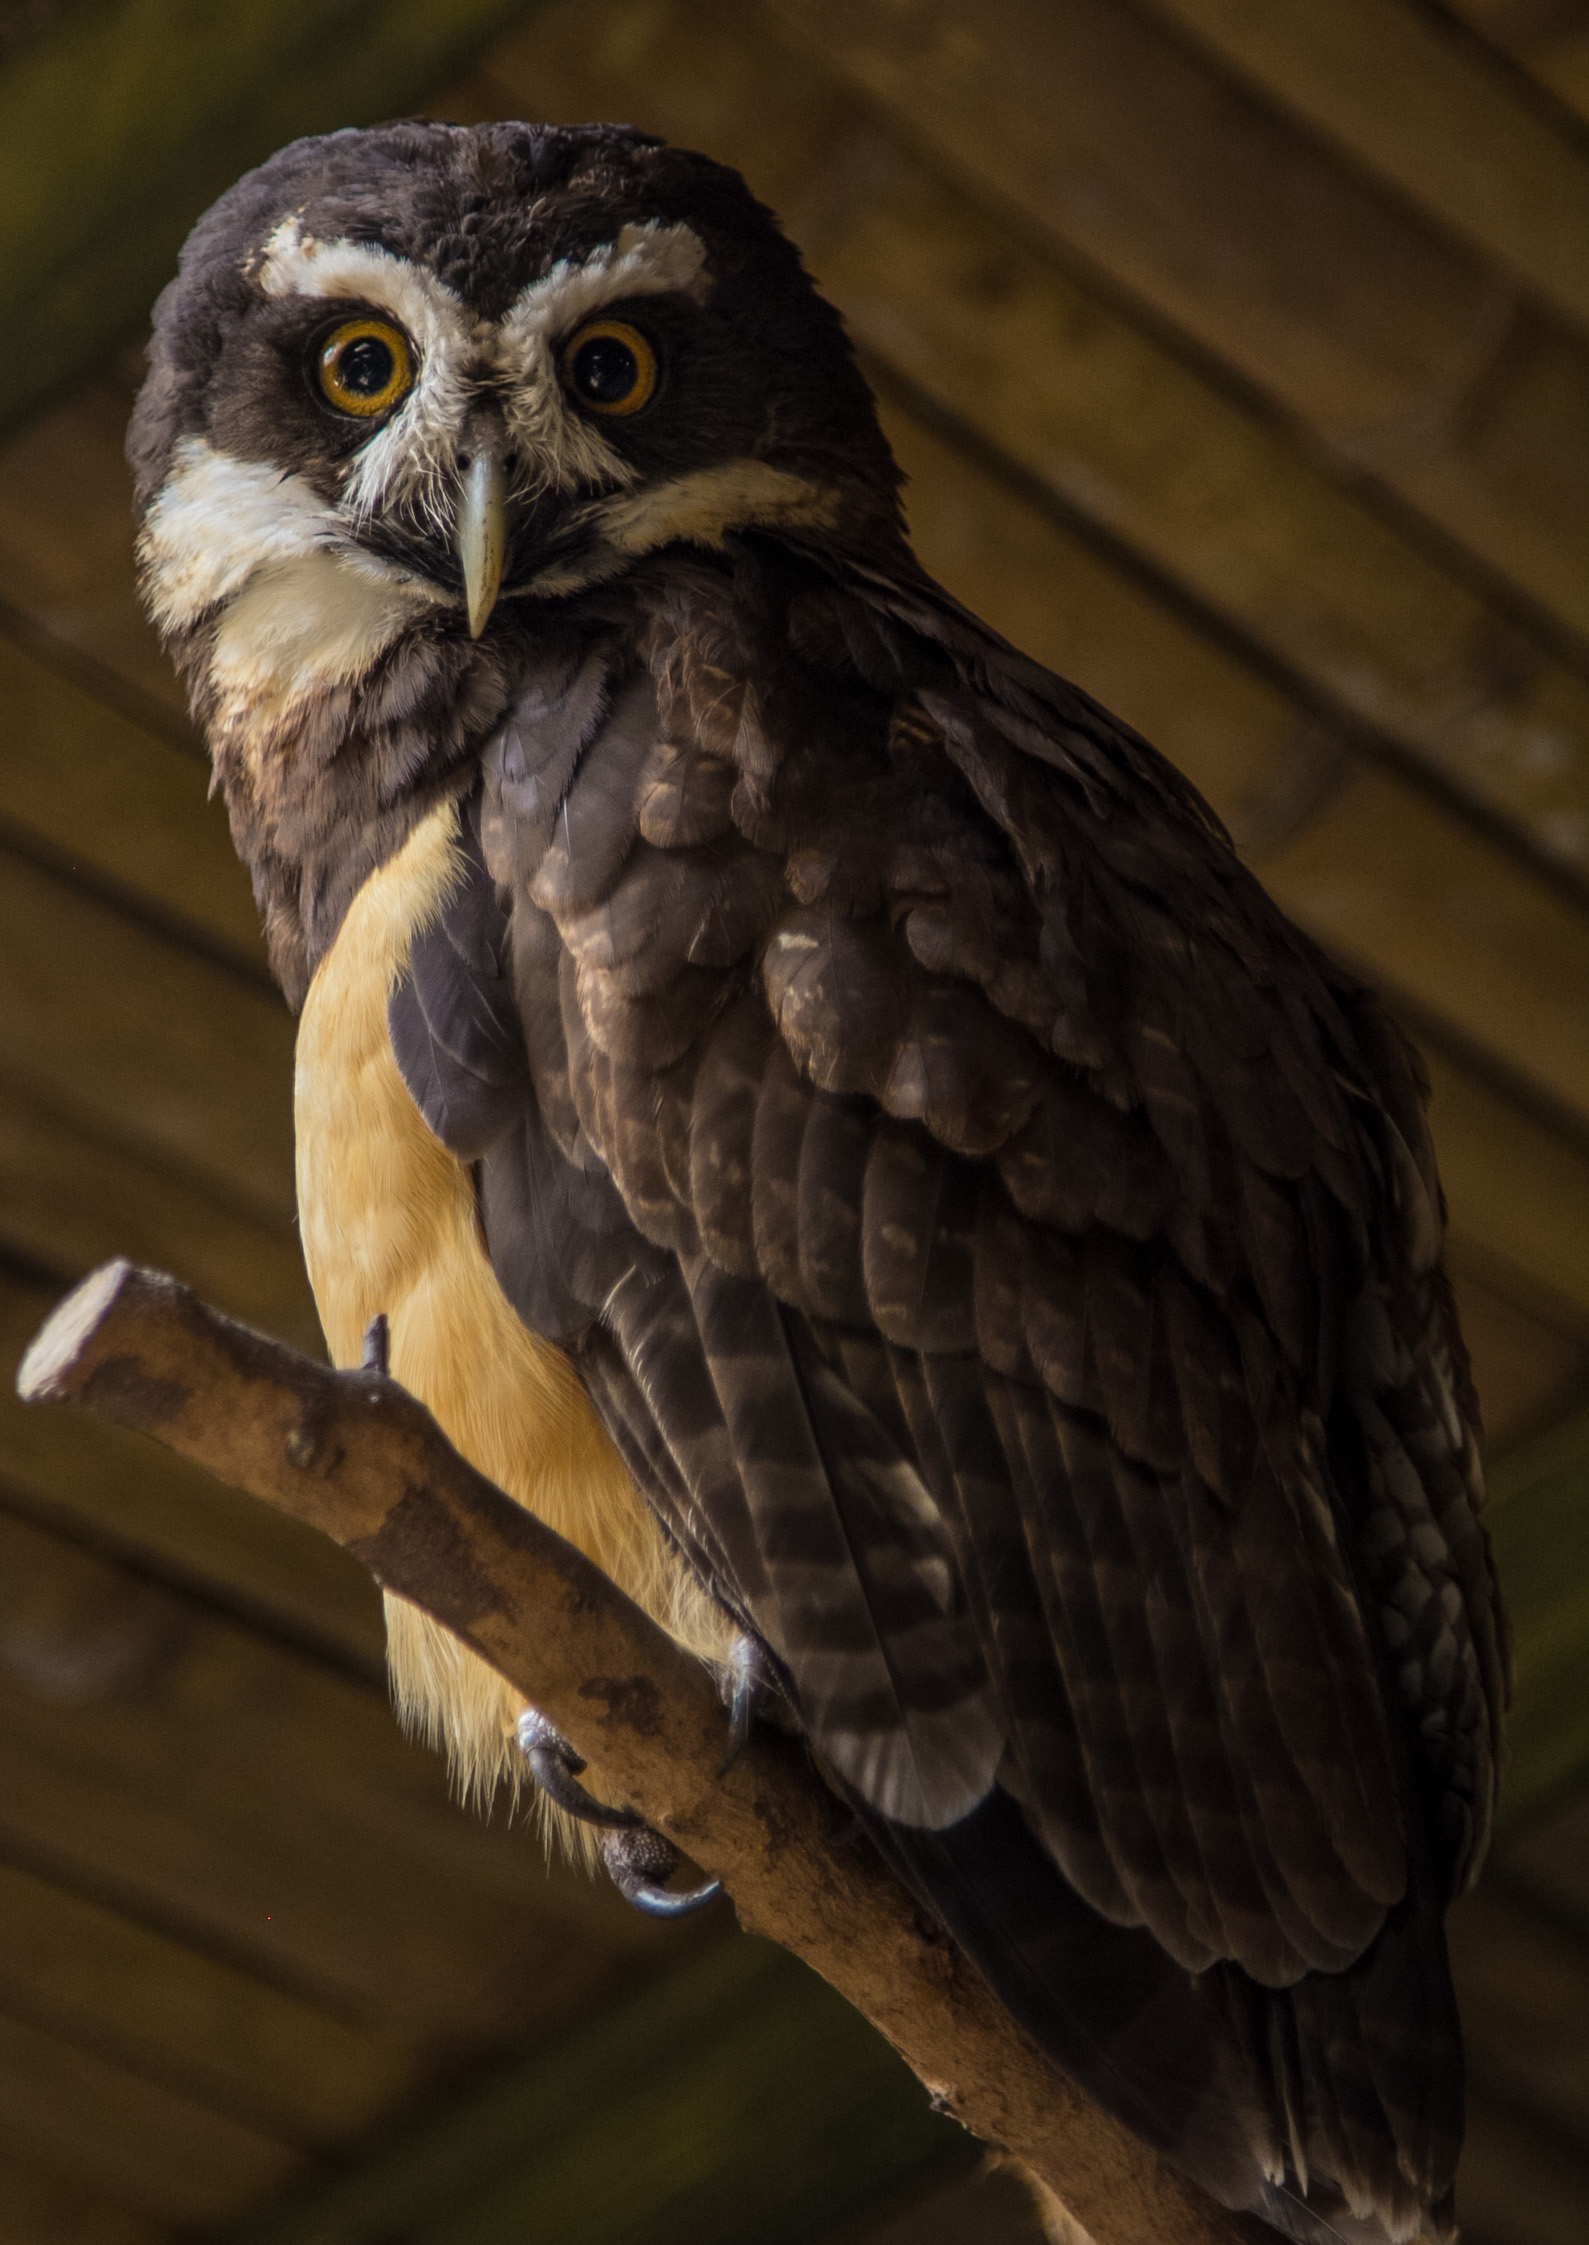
(555, 1768)
(639, 1860)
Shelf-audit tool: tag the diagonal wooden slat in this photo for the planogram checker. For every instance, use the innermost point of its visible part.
(1408, 353)
(1524, 1989)
(119, 124)
(1547, 39)
(99, 792)
(126, 1027)
(66, 536)
(52, 2203)
(165, 1760)
(738, 2099)
(205, 2029)
(1521, 2183)
(1389, 85)
(164, 2155)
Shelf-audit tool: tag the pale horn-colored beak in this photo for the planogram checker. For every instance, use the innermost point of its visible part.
(482, 534)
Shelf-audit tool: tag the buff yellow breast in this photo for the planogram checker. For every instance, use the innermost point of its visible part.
(389, 1223)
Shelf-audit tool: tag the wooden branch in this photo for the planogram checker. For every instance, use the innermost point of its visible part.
(356, 1456)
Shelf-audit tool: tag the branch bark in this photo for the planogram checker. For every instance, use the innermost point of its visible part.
(356, 1456)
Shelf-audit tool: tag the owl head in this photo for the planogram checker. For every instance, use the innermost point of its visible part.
(408, 374)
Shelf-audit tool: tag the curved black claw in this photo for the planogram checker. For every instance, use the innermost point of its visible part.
(554, 1766)
(377, 1345)
(639, 1861)
(749, 1681)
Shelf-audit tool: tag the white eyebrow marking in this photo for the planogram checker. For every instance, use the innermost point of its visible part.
(560, 446)
(413, 456)
(647, 260)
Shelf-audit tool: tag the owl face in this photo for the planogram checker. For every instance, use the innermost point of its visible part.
(407, 374)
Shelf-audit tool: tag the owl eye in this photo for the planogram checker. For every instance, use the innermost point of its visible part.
(610, 367)
(365, 366)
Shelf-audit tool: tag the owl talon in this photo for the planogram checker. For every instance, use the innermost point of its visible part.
(639, 1861)
(555, 1766)
(747, 1682)
(377, 1346)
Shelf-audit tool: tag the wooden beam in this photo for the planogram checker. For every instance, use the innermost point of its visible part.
(119, 124)
(251, 1804)
(1518, 1190)
(1525, 1368)
(72, 1193)
(41, 2204)
(1391, 884)
(1547, 1863)
(168, 2157)
(203, 2027)
(1547, 39)
(1523, 1985)
(149, 1043)
(92, 789)
(66, 538)
(1424, 111)
(1087, 125)
(739, 2098)
(108, 1493)
(1521, 2182)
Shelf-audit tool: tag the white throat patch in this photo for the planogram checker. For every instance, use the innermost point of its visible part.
(301, 605)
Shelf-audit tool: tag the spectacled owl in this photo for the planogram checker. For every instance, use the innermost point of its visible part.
(835, 1130)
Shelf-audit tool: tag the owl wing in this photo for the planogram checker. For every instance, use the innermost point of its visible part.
(1007, 1257)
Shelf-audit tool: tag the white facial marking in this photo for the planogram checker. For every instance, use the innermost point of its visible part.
(560, 445)
(413, 456)
(217, 520)
(302, 605)
(701, 507)
(300, 626)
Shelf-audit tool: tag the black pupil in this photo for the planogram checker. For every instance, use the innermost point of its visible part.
(365, 366)
(605, 370)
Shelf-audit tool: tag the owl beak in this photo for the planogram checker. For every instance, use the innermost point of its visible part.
(482, 534)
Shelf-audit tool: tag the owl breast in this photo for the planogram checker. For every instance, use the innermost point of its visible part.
(389, 1223)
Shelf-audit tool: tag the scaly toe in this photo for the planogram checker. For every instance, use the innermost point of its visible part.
(639, 1861)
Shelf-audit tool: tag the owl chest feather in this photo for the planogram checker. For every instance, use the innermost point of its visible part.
(389, 1224)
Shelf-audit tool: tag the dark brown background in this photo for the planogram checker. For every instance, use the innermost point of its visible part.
(1238, 351)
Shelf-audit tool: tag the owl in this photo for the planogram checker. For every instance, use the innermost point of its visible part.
(834, 1130)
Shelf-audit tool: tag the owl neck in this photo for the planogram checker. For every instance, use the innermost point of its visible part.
(322, 787)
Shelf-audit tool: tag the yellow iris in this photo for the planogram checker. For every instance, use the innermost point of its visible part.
(610, 367)
(365, 367)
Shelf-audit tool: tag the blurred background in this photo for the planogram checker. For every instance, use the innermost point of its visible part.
(1238, 352)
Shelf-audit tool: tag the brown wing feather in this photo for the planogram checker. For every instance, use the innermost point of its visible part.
(1032, 1323)
(838, 930)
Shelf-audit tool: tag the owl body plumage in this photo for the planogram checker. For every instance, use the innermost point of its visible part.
(835, 1127)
